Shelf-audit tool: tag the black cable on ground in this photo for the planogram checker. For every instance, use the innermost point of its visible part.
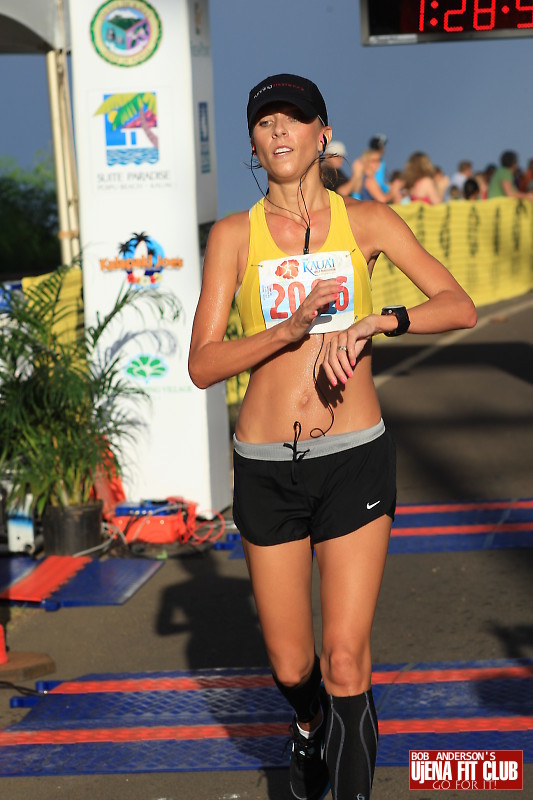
(20, 689)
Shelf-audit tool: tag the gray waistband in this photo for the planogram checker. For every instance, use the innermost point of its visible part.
(322, 446)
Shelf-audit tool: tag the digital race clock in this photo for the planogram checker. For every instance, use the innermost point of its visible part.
(412, 21)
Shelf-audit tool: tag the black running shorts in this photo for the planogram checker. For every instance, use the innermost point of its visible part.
(341, 483)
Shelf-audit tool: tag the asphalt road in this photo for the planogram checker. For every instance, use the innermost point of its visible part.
(461, 410)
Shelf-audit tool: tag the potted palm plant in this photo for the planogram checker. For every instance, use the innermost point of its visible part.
(66, 407)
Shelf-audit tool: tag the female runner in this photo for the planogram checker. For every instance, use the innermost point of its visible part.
(314, 467)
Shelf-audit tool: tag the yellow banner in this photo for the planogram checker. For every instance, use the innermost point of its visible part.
(487, 245)
(69, 310)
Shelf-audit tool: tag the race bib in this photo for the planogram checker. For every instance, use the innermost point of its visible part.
(285, 283)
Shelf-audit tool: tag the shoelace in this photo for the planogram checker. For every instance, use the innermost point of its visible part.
(296, 456)
(302, 748)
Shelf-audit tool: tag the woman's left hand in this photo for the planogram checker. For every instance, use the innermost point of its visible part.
(344, 347)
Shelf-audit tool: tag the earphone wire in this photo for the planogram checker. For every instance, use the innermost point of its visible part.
(257, 165)
(318, 388)
(308, 229)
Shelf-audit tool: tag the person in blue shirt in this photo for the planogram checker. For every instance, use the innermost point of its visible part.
(378, 143)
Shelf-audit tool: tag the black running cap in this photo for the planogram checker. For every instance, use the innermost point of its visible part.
(285, 88)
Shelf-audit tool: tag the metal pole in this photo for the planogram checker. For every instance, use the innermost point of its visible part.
(59, 161)
(71, 177)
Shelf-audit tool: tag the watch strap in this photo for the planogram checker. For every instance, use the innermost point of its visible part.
(400, 312)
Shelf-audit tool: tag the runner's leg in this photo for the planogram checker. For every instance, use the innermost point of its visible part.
(351, 570)
(281, 583)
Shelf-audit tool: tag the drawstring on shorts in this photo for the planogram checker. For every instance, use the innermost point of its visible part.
(296, 456)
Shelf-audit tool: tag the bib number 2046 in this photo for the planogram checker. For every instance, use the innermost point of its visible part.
(296, 295)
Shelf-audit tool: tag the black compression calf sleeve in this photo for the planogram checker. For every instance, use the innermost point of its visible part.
(304, 698)
(351, 746)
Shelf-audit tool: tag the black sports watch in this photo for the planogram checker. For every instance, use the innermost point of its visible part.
(400, 312)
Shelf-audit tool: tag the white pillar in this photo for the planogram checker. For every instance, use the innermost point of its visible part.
(146, 163)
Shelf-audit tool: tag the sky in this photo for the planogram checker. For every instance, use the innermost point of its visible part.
(452, 100)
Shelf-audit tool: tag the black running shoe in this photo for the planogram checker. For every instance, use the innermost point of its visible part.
(308, 772)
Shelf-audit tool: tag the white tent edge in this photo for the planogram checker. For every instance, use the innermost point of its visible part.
(34, 26)
(43, 28)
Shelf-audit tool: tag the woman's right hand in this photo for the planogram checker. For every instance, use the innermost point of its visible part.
(316, 302)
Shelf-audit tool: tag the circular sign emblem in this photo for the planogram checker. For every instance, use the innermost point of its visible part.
(126, 34)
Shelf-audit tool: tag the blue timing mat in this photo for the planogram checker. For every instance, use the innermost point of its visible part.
(454, 527)
(449, 527)
(13, 568)
(105, 583)
(97, 583)
(237, 719)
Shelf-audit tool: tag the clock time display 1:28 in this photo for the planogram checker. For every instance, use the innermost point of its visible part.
(465, 16)
(424, 21)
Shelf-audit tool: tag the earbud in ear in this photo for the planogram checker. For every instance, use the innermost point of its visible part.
(254, 151)
(324, 143)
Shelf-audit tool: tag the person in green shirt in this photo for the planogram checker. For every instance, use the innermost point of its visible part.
(502, 181)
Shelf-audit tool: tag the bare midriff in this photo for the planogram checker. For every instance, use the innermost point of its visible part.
(282, 391)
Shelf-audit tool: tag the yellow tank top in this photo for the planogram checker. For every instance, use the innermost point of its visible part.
(263, 248)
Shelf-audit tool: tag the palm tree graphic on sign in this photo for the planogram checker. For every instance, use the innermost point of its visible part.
(137, 246)
(132, 110)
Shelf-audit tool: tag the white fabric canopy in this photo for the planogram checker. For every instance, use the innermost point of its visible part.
(32, 26)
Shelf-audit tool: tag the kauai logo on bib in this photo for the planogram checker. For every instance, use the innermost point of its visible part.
(284, 285)
(288, 268)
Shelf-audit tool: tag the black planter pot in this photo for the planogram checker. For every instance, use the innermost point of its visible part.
(72, 529)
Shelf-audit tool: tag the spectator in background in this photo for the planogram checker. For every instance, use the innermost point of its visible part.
(526, 184)
(518, 176)
(442, 182)
(378, 143)
(502, 182)
(464, 171)
(423, 181)
(483, 185)
(396, 179)
(370, 188)
(488, 172)
(333, 175)
(471, 189)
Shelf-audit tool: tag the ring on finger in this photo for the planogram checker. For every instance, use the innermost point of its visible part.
(342, 347)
